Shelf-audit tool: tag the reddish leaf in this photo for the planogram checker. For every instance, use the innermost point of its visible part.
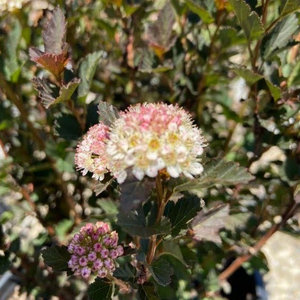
(54, 63)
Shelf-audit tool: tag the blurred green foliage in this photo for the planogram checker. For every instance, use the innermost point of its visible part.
(234, 65)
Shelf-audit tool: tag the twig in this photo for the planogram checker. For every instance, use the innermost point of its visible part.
(289, 212)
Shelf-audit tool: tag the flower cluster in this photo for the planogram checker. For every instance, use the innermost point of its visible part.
(146, 138)
(10, 5)
(94, 250)
(91, 152)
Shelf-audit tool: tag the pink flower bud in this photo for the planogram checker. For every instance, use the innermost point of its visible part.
(97, 247)
(92, 256)
(85, 272)
(83, 261)
(102, 273)
(104, 253)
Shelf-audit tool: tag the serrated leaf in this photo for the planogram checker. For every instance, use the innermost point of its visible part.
(249, 76)
(100, 186)
(67, 127)
(160, 33)
(181, 213)
(206, 226)
(279, 36)
(100, 289)
(288, 6)
(275, 90)
(294, 78)
(126, 273)
(54, 33)
(216, 171)
(200, 11)
(47, 93)
(57, 258)
(54, 63)
(87, 71)
(135, 192)
(109, 206)
(147, 292)
(249, 21)
(161, 271)
(135, 224)
(108, 114)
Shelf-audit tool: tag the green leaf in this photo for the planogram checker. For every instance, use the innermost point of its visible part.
(10, 64)
(126, 273)
(279, 36)
(109, 206)
(160, 33)
(201, 12)
(47, 92)
(275, 90)
(86, 73)
(135, 224)
(206, 226)
(172, 248)
(108, 114)
(67, 127)
(288, 6)
(294, 78)
(249, 76)
(147, 292)
(161, 271)
(54, 33)
(249, 21)
(100, 289)
(57, 258)
(181, 213)
(216, 171)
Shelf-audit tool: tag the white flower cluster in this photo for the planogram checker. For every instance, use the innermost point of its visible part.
(10, 5)
(147, 138)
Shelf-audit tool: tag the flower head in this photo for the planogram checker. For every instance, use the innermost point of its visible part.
(152, 137)
(146, 138)
(90, 256)
(91, 152)
(10, 5)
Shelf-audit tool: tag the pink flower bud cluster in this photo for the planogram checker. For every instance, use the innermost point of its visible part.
(146, 138)
(94, 250)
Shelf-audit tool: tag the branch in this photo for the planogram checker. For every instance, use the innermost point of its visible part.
(289, 212)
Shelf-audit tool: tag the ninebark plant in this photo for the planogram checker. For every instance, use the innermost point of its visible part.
(145, 232)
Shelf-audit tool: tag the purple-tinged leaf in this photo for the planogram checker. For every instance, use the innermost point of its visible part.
(48, 94)
(54, 63)
(206, 226)
(160, 34)
(54, 33)
(107, 113)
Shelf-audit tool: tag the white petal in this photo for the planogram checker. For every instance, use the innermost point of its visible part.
(152, 171)
(152, 155)
(121, 176)
(138, 173)
(196, 168)
(188, 175)
(173, 171)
